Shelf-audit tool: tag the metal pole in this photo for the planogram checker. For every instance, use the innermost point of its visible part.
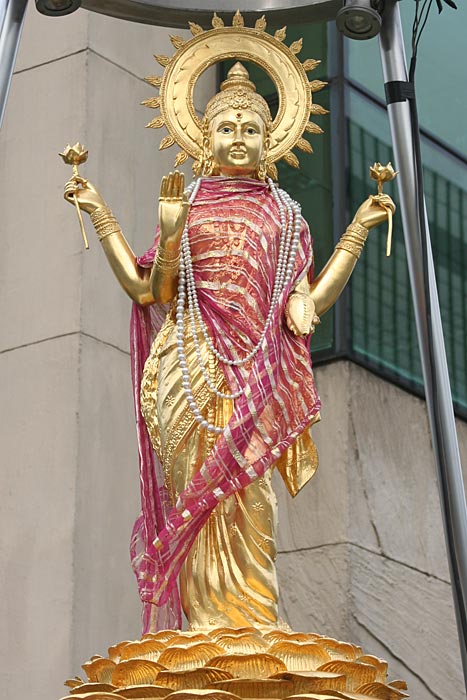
(12, 14)
(429, 329)
(3, 6)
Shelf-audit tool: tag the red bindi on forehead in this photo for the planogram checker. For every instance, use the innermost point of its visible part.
(239, 115)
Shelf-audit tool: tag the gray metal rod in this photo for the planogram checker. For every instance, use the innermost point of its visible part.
(433, 356)
(10, 34)
(3, 6)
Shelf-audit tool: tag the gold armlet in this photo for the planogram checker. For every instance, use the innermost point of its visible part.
(104, 222)
(353, 239)
(307, 295)
(165, 261)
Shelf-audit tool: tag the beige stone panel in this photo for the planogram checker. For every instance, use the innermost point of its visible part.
(38, 434)
(395, 474)
(313, 587)
(407, 617)
(133, 46)
(319, 514)
(47, 39)
(106, 602)
(42, 245)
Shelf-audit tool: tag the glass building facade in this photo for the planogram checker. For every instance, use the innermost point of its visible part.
(373, 323)
(383, 334)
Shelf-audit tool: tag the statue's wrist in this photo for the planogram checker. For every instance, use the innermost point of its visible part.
(357, 221)
(96, 206)
(353, 239)
(167, 258)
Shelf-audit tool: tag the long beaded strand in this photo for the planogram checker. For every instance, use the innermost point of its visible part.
(290, 221)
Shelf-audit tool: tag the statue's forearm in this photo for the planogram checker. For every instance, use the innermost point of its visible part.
(329, 284)
(164, 275)
(133, 278)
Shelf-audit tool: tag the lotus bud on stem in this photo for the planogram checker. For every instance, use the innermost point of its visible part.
(384, 173)
(74, 156)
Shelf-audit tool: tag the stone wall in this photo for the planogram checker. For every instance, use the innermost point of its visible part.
(362, 552)
(361, 549)
(69, 482)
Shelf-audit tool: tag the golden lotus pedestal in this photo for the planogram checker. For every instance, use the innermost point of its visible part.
(235, 664)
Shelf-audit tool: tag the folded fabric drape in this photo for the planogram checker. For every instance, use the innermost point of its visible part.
(234, 232)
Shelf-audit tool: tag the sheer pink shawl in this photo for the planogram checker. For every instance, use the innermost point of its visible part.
(234, 235)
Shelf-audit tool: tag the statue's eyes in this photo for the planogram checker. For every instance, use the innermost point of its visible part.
(251, 131)
(226, 130)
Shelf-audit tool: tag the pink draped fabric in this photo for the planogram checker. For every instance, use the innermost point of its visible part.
(145, 324)
(234, 234)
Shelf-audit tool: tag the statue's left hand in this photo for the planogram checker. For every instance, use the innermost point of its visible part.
(373, 211)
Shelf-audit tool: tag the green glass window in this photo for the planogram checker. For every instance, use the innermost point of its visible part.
(383, 335)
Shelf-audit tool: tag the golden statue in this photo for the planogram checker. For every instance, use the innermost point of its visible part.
(224, 304)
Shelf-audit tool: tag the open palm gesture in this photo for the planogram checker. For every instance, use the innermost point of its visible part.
(173, 207)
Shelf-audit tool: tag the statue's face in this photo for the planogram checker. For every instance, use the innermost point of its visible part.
(237, 141)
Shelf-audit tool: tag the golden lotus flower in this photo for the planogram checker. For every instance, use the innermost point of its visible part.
(256, 688)
(231, 631)
(356, 673)
(242, 643)
(252, 666)
(313, 681)
(382, 173)
(146, 649)
(287, 666)
(196, 679)
(143, 692)
(74, 155)
(99, 670)
(187, 658)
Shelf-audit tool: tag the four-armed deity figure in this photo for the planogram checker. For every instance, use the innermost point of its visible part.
(224, 303)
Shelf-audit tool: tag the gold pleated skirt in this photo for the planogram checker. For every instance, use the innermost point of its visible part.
(229, 577)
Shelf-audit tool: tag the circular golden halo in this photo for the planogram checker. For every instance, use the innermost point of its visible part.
(206, 48)
(239, 43)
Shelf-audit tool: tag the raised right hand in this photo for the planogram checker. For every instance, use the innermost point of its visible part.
(173, 207)
(89, 199)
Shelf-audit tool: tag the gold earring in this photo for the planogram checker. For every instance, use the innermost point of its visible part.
(207, 163)
(263, 163)
(262, 168)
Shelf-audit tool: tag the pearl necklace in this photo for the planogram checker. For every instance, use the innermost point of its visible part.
(290, 221)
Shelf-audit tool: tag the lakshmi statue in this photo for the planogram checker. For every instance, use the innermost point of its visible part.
(224, 304)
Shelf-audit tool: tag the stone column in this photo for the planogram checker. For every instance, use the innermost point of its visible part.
(69, 479)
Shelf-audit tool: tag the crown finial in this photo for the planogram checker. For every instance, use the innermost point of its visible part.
(238, 77)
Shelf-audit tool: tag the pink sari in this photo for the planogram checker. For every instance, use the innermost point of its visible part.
(234, 235)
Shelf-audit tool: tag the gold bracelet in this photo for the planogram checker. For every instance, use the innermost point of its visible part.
(359, 229)
(104, 222)
(165, 261)
(353, 239)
